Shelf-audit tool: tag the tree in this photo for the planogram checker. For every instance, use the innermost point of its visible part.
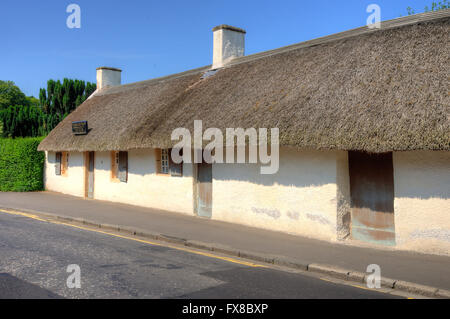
(32, 101)
(10, 94)
(22, 121)
(61, 98)
(435, 6)
(22, 116)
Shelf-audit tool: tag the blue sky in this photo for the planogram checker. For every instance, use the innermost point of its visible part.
(147, 39)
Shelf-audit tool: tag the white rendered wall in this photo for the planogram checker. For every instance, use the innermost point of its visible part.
(299, 199)
(343, 196)
(144, 186)
(73, 182)
(309, 195)
(422, 201)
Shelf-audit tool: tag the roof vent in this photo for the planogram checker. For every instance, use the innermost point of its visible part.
(209, 73)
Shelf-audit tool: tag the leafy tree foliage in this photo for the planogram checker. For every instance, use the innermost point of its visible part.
(63, 98)
(435, 6)
(21, 121)
(22, 116)
(10, 94)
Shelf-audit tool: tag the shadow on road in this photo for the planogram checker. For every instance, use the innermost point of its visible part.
(15, 288)
(273, 284)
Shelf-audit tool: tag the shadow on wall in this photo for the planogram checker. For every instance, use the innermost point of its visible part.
(51, 158)
(296, 169)
(432, 187)
(250, 173)
(140, 163)
(422, 174)
(419, 189)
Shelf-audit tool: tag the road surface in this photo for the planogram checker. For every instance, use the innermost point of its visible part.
(34, 256)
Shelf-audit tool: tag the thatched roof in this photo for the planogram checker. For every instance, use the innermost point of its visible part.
(368, 90)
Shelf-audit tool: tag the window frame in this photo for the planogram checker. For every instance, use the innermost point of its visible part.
(58, 160)
(165, 166)
(119, 171)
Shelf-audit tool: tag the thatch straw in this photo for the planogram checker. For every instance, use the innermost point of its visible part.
(375, 91)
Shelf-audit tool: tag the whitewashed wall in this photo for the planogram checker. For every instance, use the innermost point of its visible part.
(144, 186)
(422, 201)
(299, 199)
(309, 195)
(343, 196)
(73, 183)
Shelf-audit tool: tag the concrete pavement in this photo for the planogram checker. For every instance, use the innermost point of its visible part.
(423, 269)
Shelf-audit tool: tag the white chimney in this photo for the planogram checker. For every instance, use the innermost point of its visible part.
(229, 43)
(108, 77)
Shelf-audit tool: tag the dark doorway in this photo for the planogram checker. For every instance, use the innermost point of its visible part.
(372, 196)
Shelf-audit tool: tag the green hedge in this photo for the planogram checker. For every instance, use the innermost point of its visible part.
(21, 165)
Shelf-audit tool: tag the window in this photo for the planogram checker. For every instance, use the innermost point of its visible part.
(58, 156)
(119, 166)
(164, 161)
(165, 165)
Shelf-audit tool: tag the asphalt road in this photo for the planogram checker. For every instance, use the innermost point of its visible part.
(34, 256)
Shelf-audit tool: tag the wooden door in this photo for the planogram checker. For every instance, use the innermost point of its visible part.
(90, 174)
(204, 190)
(372, 196)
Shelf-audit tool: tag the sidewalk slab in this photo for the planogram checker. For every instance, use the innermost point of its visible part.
(429, 270)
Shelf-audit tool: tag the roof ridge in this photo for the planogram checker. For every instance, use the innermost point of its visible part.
(138, 84)
(385, 25)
